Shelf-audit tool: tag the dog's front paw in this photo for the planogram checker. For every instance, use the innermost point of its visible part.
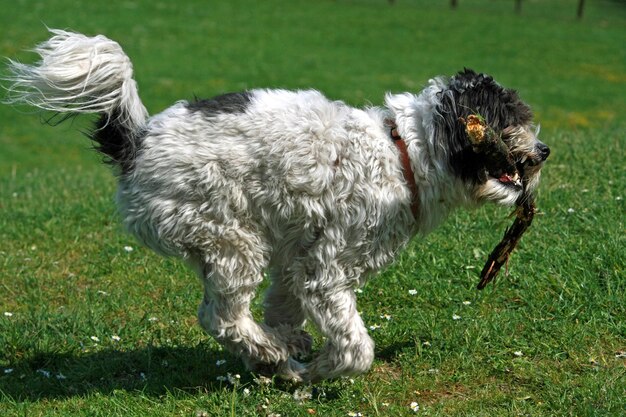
(289, 370)
(292, 370)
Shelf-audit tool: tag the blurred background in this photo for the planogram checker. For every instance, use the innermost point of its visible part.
(571, 69)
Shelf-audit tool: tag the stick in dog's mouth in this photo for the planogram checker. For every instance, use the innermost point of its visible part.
(524, 214)
(500, 165)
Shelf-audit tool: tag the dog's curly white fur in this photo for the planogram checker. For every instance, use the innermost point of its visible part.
(307, 190)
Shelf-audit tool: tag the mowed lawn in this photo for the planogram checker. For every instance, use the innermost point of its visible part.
(92, 324)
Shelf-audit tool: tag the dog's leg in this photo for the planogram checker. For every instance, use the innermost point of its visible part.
(283, 313)
(349, 350)
(225, 314)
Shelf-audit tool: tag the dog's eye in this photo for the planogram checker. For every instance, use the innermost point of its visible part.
(510, 134)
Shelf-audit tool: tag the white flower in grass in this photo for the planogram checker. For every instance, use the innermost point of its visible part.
(115, 338)
(571, 210)
(374, 327)
(358, 291)
(153, 319)
(246, 392)
(220, 362)
(466, 303)
(386, 317)
(95, 339)
(518, 353)
(128, 249)
(262, 380)
(456, 317)
(412, 292)
(303, 394)
(60, 376)
(353, 414)
(8, 314)
(414, 407)
(231, 379)
(44, 372)
(426, 344)
(8, 371)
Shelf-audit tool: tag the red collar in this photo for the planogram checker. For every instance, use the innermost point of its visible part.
(407, 171)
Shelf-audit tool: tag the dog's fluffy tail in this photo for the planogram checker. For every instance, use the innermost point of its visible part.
(80, 74)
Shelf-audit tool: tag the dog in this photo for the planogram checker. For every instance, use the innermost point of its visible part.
(313, 193)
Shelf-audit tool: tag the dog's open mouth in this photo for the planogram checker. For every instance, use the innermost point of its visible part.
(515, 174)
(523, 166)
(511, 180)
(510, 177)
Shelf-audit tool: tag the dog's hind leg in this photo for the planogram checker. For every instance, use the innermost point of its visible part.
(348, 350)
(283, 313)
(225, 314)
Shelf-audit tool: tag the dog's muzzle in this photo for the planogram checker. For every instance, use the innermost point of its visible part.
(543, 151)
(524, 166)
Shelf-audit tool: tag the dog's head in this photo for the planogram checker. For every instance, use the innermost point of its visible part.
(469, 93)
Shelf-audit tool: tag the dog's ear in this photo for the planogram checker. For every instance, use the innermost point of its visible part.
(467, 93)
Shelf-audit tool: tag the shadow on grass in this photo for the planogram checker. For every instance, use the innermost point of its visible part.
(391, 352)
(152, 370)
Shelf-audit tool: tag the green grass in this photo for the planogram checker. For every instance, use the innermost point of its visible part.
(66, 277)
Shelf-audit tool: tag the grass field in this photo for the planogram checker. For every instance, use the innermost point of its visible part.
(91, 324)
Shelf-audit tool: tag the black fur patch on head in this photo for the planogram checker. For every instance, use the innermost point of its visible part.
(116, 142)
(225, 103)
(468, 93)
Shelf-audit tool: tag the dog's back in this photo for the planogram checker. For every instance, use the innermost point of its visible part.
(282, 164)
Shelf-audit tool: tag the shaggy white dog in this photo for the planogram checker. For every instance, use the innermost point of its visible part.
(311, 191)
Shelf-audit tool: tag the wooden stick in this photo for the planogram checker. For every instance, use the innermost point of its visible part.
(498, 162)
(500, 255)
